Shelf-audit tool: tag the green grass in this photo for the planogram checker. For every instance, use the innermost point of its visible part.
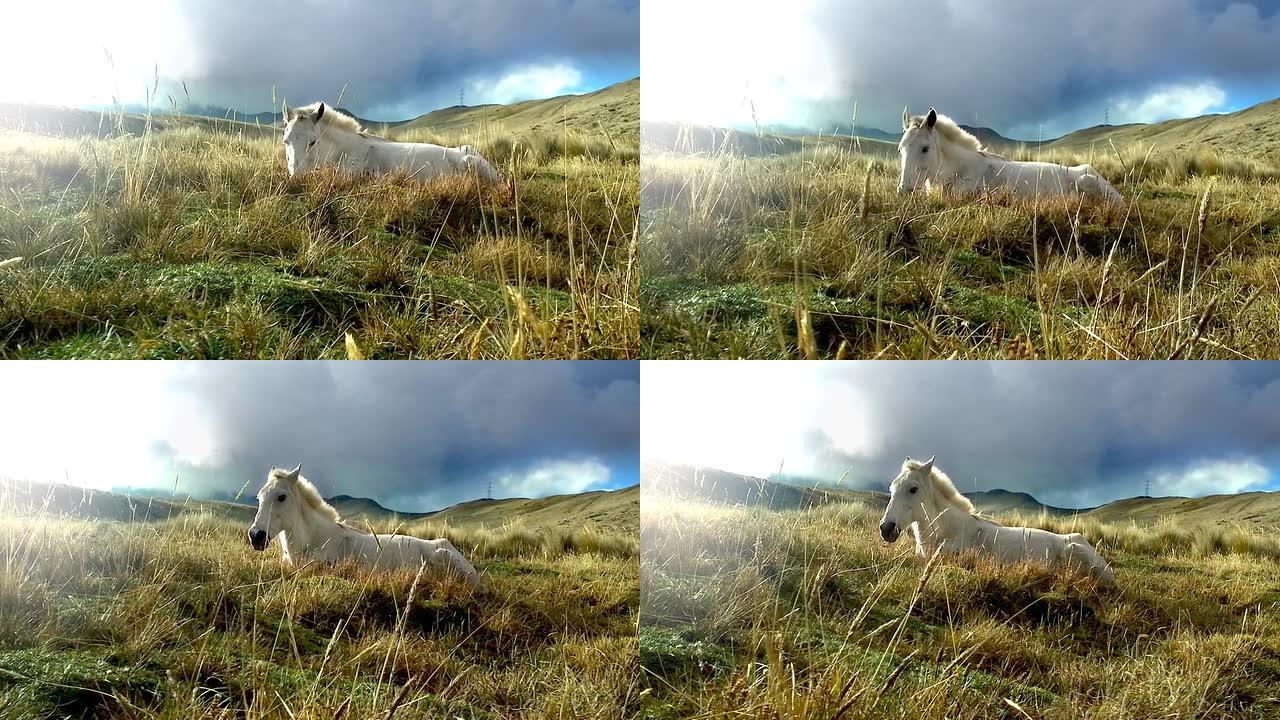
(812, 253)
(807, 614)
(178, 618)
(193, 242)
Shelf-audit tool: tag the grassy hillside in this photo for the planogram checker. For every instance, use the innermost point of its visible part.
(709, 485)
(683, 139)
(606, 511)
(1254, 131)
(1256, 511)
(1259, 510)
(70, 122)
(178, 618)
(808, 614)
(613, 111)
(813, 254)
(30, 499)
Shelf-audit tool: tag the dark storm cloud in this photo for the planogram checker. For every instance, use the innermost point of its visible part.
(414, 436)
(1074, 434)
(387, 52)
(1015, 65)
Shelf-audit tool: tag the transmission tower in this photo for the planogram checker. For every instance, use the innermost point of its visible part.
(490, 488)
(462, 97)
(1148, 492)
(1107, 116)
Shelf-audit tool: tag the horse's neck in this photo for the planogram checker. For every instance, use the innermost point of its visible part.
(946, 522)
(312, 532)
(960, 161)
(343, 142)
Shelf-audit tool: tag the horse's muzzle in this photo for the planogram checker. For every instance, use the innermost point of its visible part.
(889, 531)
(258, 539)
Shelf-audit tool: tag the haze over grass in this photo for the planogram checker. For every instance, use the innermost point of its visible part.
(192, 242)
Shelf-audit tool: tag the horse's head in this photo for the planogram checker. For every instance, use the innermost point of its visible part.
(919, 149)
(908, 495)
(301, 134)
(277, 506)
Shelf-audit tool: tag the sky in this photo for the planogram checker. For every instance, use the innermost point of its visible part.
(1027, 69)
(414, 436)
(1072, 434)
(395, 58)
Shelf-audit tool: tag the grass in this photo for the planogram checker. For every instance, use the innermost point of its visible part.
(807, 614)
(180, 619)
(193, 242)
(813, 254)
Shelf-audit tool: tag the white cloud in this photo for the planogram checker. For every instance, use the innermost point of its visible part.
(554, 477)
(1173, 101)
(526, 83)
(1212, 477)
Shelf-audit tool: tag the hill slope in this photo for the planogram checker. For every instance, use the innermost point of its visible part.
(605, 510)
(1254, 130)
(71, 122)
(1256, 510)
(710, 485)
(614, 109)
(612, 511)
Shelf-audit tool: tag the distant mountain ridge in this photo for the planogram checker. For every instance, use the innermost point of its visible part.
(1254, 130)
(605, 510)
(1256, 509)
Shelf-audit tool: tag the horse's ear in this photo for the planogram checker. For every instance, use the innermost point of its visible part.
(932, 119)
(906, 122)
(319, 114)
(928, 465)
(294, 473)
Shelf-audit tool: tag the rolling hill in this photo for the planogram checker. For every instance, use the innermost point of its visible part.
(1256, 510)
(615, 110)
(606, 510)
(611, 511)
(1254, 130)
(686, 139)
(725, 488)
(72, 122)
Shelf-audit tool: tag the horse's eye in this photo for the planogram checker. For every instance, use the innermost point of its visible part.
(912, 490)
(281, 498)
(924, 149)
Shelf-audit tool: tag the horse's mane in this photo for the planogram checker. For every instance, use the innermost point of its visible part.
(310, 495)
(335, 118)
(942, 484)
(947, 128)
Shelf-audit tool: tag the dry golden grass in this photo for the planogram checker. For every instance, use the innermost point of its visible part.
(807, 614)
(813, 254)
(195, 243)
(180, 619)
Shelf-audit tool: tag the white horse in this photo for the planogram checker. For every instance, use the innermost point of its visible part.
(924, 499)
(316, 136)
(938, 152)
(309, 528)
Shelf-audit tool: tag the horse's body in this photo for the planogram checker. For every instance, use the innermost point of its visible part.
(925, 500)
(290, 507)
(936, 152)
(315, 136)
